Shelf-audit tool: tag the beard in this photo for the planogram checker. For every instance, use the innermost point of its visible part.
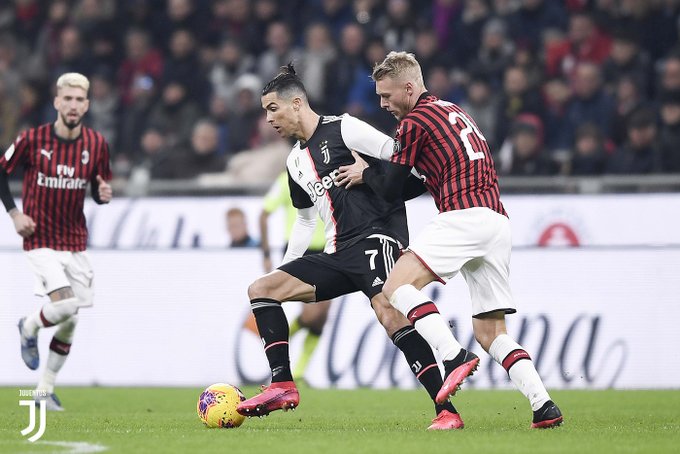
(71, 124)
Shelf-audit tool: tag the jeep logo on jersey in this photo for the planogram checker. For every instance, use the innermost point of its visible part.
(319, 188)
(85, 157)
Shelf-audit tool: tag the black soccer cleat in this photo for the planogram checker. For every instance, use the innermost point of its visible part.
(549, 415)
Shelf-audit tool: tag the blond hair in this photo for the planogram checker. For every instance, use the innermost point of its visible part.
(399, 65)
(74, 80)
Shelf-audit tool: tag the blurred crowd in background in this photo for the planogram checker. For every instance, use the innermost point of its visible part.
(558, 87)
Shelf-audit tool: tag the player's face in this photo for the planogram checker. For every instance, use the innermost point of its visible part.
(71, 104)
(395, 96)
(281, 114)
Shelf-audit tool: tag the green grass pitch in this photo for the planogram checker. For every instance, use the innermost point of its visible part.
(163, 420)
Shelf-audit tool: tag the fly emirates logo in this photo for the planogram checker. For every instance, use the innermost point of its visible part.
(63, 180)
(319, 188)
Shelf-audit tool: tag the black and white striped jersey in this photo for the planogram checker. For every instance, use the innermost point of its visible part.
(348, 214)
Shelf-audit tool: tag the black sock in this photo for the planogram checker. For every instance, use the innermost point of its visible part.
(422, 363)
(273, 327)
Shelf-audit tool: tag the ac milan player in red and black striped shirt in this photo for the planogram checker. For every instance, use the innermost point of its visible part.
(470, 235)
(59, 160)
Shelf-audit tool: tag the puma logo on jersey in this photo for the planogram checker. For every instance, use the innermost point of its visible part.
(47, 154)
(319, 188)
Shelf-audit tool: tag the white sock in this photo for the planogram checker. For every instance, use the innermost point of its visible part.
(53, 312)
(59, 349)
(427, 320)
(516, 361)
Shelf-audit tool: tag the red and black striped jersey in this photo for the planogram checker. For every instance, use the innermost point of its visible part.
(56, 174)
(445, 146)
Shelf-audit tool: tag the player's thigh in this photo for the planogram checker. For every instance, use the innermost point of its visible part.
(323, 273)
(81, 276)
(48, 267)
(409, 270)
(488, 276)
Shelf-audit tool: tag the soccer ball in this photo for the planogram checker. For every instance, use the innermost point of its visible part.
(217, 406)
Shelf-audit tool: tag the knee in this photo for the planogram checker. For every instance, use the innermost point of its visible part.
(261, 288)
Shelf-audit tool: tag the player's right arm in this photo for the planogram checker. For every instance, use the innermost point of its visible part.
(13, 156)
(304, 225)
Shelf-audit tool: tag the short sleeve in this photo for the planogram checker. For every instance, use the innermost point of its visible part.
(16, 154)
(298, 196)
(104, 163)
(407, 143)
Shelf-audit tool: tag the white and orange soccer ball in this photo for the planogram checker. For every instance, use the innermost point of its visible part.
(217, 406)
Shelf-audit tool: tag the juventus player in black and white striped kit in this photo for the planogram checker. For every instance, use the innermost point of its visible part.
(364, 236)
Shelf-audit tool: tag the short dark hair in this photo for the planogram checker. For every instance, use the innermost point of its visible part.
(285, 83)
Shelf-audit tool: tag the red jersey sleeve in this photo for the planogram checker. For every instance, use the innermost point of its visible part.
(104, 163)
(407, 143)
(16, 154)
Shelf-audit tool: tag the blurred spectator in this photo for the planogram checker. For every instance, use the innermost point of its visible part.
(628, 99)
(237, 227)
(517, 97)
(104, 108)
(150, 161)
(347, 69)
(73, 55)
(445, 13)
(398, 26)
(183, 65)
(178, 14)
(428, 52)
(258, 166)
(281, 51)
(466, 33)
(590, 103)
(585, 43)
(641, 154)
(334, 13)
(230, 64)
(589, 156)
(47, 43)
(532, 18)
(242, 120)
(670, 131)
(199, 158)
(522, 154)
(627, 59)
(265, 12)
(30, 104)
(669, 69)
(318, 52)
(556, 97)
(481, 103)
(495, 53)
(142, 68)
(28, 19)
(9, 119)
(175, 113)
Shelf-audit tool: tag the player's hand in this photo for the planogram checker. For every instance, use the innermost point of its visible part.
(23, 224)
(105, 191)
(352, 174)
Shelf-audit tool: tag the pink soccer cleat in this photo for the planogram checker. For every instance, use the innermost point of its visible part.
(455, 374)
(277, 396)
(446, 420)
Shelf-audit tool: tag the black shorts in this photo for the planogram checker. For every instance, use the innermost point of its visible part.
(363, 266)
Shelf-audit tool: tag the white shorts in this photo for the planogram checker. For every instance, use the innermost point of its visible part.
(476, 242)
(58, 269)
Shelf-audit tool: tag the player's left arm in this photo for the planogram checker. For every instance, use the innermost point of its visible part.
(365, 139)
(100, 188)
